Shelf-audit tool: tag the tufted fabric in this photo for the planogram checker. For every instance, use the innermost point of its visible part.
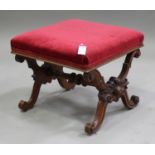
(59, 43)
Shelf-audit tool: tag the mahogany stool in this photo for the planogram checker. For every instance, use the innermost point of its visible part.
(84, 46)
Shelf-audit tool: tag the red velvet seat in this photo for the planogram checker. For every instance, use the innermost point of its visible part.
(59, 43)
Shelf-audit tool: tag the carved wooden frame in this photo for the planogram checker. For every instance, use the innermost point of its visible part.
(112, 90)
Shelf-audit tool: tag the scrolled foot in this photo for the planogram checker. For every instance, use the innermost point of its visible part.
(135, 99)
(130, 103)
(133, 102)
(25, 106)
(91, 128)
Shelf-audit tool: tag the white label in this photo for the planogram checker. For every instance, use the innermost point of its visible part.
(82, 49)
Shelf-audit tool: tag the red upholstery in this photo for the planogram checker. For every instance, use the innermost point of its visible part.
(59, 43)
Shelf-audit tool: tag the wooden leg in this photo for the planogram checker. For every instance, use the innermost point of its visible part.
(133, 101)
(41, 75)
(129, 103)
(23, 105)
(127, 63)
(92, 127)
(111, 91)
(94, 78)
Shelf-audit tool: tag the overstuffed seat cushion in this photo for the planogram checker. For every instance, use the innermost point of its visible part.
(78, 44)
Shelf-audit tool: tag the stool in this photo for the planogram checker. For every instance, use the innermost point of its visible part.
(80, 45)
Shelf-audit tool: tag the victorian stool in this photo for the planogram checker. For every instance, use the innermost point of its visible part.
(84, 46)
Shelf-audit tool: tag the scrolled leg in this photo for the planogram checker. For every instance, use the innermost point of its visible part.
(127, 63)
(94, 78)
(134, 100)
(40, 76)
(93, 126)
(26, 105)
